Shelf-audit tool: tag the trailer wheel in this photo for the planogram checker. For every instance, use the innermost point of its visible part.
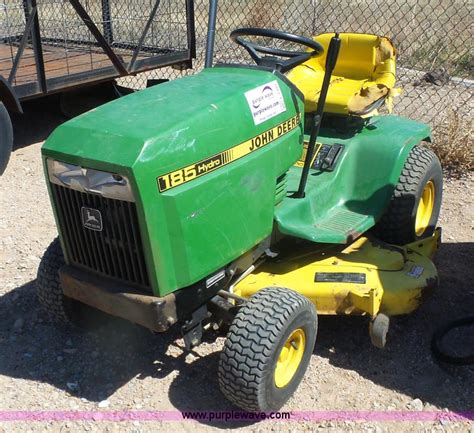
(6, 138)
(267, 349)
(416, 201)
(59, 308)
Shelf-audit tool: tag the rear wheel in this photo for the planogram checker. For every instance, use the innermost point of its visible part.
(6, 138)
(268, 349)
(416, 201)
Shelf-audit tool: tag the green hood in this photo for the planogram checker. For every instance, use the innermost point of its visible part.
(162, 122)
(204, 174)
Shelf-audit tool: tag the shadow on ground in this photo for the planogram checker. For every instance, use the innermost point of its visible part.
(40, 117)
(109, 357)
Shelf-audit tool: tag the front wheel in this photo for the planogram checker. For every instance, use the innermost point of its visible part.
(59, 308)
(416, 201)
(268, 349)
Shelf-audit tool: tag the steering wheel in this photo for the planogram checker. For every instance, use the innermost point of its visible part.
(294, 58)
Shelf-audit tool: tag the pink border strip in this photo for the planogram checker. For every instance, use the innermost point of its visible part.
(383, 416)
(118, 416)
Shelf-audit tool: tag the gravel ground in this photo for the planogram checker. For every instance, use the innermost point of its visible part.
(124, 367)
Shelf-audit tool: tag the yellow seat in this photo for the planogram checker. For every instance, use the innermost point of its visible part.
(362, 80)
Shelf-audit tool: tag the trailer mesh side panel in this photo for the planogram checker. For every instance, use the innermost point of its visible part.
(117, 250)
(51, 45)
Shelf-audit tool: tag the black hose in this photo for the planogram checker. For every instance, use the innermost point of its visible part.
(439, 336)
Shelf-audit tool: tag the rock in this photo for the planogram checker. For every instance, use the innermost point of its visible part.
(68, 342)
(18, 325)
(415, 404)
(104, 403)
(94, 354)
(59, 358)
(444, 422)
(438, 77)
(70, 351)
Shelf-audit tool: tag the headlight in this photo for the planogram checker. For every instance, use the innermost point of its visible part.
(81, 179)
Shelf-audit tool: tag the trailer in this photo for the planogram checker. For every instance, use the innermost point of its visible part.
(50, 46)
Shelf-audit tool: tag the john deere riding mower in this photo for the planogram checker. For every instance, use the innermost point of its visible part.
(254, 196)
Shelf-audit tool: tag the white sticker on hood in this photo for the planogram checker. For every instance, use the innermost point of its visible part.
(265, 102)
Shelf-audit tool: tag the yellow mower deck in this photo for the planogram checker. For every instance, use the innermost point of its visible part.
(366, 277)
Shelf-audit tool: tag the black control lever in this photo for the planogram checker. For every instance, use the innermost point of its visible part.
(331, 59)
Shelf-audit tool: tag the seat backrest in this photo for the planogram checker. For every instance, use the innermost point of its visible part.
(359, 56)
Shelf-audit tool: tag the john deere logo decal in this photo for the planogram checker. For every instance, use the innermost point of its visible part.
(198, 169)
(91, 219)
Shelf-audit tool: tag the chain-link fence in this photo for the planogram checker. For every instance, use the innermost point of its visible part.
(434, 41)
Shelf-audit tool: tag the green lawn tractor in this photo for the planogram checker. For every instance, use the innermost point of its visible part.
(250, 196)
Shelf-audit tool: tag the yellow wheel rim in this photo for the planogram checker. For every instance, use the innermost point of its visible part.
(290, 358)
(425, 208)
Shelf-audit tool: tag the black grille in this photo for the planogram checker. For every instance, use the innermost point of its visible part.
(115, 251)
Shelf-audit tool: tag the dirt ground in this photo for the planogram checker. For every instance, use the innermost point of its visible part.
(124, 367)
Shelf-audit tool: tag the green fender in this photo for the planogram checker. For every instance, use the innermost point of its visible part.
(341, 204)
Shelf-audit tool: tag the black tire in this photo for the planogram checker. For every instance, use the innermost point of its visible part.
(437, 343)
(59, 308)
(6, 138)
(398, 224)
(255, 340)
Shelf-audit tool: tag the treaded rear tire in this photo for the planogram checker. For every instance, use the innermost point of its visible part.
(6, 138)
(397, 225)
(256, 336)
